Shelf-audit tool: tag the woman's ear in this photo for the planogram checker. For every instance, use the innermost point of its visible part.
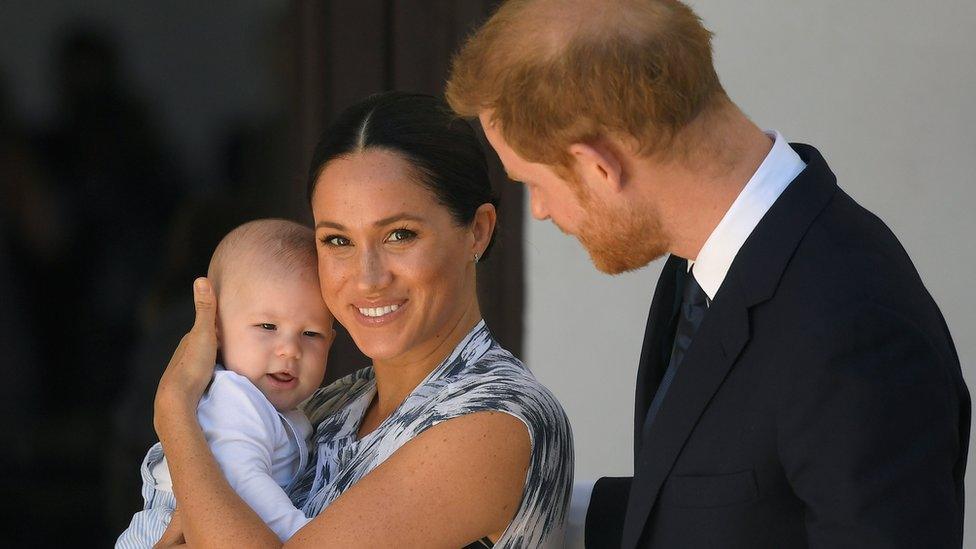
(483, 227)
(598, 164)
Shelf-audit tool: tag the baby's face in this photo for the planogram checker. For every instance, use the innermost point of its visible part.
(275, 331)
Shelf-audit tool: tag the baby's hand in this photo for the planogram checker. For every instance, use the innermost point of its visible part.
(191, 368)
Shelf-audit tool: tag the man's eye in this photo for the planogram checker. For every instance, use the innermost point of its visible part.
(267, 326)
(335, 241)
(401, 234)
(309, 333)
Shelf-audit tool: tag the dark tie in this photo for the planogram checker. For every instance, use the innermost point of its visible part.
(694, 304)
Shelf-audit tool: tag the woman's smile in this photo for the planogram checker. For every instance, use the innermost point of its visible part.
(379, 315)
(395, 266)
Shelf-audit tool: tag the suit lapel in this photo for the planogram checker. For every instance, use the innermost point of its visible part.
(660, 324)
(721, 337)
(752, 278)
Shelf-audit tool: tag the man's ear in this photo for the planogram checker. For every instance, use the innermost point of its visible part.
(598, 164)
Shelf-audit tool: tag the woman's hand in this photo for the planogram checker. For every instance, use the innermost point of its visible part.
(173, 535)
(213, 514)
(191, 368)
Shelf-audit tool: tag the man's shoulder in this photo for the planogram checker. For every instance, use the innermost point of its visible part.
(848, 253)
(850, 275)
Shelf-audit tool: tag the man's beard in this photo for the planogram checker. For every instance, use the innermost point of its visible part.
(620, 241)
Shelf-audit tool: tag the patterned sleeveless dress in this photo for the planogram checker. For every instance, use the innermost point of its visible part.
(478, 376)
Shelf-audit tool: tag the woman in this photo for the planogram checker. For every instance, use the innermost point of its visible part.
(447, 440)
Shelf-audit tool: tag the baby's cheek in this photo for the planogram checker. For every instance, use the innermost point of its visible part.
(317, 365)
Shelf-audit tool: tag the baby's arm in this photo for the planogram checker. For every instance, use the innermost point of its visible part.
(241, 428)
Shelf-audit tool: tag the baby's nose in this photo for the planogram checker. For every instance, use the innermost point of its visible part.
(289, 348)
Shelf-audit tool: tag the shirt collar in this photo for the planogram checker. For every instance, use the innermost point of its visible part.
(777, 170)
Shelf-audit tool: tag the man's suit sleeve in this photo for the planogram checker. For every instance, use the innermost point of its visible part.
(868, 432)
(605, 515)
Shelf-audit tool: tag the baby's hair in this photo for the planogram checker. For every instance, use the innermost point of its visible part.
(272, 245)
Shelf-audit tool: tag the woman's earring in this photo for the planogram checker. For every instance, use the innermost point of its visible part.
(476, 258)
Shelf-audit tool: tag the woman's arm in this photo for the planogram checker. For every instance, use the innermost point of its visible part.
(208, 504)
(455, 483)
(452, 484)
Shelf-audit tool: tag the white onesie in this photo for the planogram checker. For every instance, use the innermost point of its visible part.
(260, 451)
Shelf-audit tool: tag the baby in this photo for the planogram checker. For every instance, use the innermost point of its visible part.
(274, 335)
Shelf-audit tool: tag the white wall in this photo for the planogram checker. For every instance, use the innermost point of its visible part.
(885, 89)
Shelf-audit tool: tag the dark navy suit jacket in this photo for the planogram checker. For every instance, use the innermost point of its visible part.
(821, 403)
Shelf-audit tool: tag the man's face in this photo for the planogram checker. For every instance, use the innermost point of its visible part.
(618, 237)
(550, 196)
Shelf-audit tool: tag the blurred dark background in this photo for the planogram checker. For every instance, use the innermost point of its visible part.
(133, 135)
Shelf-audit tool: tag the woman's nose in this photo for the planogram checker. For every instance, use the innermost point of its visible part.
(373, 273)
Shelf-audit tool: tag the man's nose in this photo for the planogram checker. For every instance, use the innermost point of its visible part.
(537, 207)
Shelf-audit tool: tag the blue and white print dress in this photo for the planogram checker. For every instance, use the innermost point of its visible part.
(478, 376)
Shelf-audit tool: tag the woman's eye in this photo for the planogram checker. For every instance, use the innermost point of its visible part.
(335, 241)
(267, 326)
(401, 234)
(309, 333)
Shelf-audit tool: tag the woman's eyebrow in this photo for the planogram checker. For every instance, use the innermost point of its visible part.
(329, 224)
(398, 217)
(379, 223)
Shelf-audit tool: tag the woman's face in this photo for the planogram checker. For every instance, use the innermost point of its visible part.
(395, 268)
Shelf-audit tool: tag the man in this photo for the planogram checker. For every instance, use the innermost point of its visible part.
(797, 385)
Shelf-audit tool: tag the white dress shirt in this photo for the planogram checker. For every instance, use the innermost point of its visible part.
(778, 169)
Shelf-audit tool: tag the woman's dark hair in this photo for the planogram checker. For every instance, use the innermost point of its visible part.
(442, 148)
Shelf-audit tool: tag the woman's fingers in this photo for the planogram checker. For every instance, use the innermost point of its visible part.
(191, 368)
(206, 307)
(202, 348)
(198, 350)
(173, 535)
(192, 363)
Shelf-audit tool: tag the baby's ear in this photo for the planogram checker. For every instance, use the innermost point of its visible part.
(220, 345)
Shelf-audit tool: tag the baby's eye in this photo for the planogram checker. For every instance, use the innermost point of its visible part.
(309, 333)
(267, 326)
(399, 235)
(335, 240)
